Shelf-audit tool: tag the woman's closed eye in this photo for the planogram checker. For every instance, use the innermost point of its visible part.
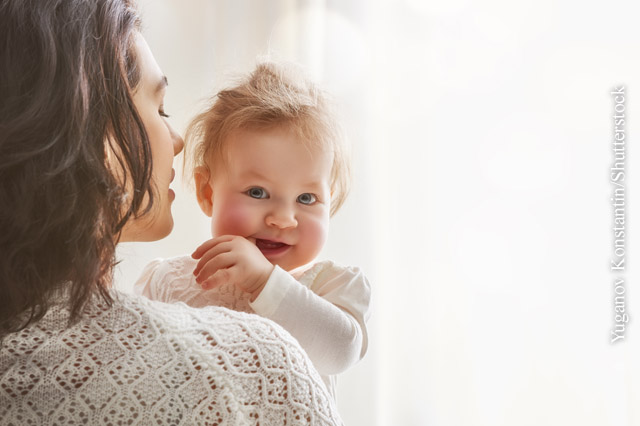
(307, 199)
(162, 113)
(257, 192)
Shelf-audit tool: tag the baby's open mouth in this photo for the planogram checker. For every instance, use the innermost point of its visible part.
(271, 249)
(269, 245)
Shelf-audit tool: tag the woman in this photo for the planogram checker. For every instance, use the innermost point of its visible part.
(85, 162)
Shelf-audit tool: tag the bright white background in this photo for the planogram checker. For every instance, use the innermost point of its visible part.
(480, 211)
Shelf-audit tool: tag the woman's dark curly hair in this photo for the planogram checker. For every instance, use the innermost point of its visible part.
(67, 74)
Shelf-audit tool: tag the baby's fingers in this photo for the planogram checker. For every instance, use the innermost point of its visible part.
(209, 244)
(217, 250)
(208, 269)
(220, 277)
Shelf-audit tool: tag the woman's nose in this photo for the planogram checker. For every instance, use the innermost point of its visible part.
(178, 142)
(282, 217)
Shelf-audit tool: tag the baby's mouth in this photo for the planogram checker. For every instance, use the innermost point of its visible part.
(271, 248)
(269, 245)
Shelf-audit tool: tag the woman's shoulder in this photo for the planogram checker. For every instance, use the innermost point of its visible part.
(149, 358)
(182, 321)
(247, 350)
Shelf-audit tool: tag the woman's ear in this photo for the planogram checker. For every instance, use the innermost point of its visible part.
(204, 192)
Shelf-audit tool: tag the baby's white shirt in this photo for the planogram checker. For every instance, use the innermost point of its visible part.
(325, 309)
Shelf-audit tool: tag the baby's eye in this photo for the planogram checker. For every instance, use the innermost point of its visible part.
(257, 192)
(307, 199)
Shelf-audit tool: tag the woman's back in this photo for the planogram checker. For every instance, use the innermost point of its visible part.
(144, 362)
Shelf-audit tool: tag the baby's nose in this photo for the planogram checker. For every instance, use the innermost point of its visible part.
(282, 218)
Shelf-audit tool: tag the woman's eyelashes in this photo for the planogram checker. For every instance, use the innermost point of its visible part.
(306, 199)
(162, 113)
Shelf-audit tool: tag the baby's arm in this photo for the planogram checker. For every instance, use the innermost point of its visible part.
(328, 318)
(171, 280)
(230, 269)
(327, 315)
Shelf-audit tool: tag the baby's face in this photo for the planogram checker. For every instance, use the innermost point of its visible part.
(276, 190)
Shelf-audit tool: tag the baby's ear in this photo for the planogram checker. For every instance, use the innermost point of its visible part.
(204, 192)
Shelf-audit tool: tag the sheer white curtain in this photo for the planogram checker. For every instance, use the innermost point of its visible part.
(481, 136)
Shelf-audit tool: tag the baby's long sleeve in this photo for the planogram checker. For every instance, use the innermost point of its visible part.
(326, 311)
(172, 280)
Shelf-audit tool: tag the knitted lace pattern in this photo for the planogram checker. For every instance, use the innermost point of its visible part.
(144, 362)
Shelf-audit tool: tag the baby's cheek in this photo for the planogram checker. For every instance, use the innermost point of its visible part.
(315, 235)
(233, 219)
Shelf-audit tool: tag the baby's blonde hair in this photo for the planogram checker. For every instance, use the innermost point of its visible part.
(272, 95)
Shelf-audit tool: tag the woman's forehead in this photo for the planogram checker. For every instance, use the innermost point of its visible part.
(152, 78)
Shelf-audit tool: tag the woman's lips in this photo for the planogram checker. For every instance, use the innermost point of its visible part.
(271, 248)
(172, 194)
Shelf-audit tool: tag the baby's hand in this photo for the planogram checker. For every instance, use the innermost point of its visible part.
(234, 259)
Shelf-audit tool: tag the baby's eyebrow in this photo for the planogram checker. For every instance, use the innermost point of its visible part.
(316, 185)
(253, 174)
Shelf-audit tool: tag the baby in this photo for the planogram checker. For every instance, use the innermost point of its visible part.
(270, 169)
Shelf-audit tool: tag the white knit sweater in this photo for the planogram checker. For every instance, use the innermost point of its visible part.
(143, 362)
(325, 307)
